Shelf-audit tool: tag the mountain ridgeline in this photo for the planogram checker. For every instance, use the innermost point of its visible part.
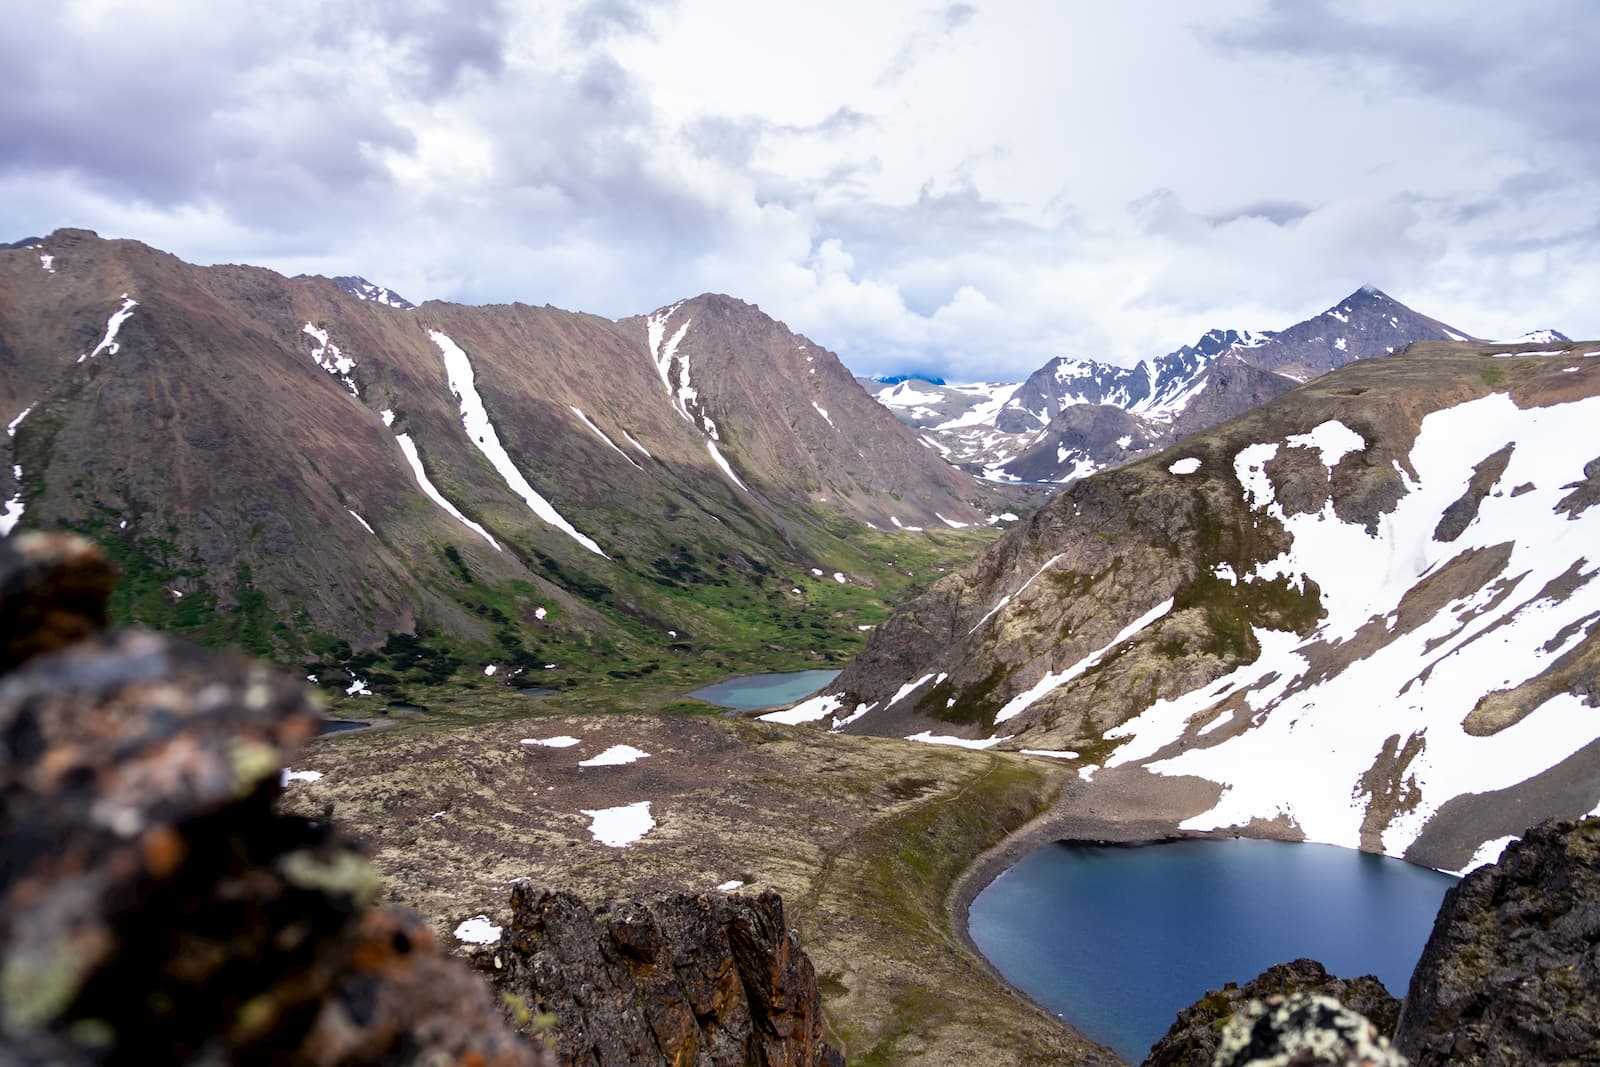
(287, 463)
(1072, 417)
(1365, 613)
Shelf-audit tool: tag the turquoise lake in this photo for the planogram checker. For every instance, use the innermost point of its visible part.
(749, 692)
(1116, 940)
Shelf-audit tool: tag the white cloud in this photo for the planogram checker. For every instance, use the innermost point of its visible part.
(969, 190)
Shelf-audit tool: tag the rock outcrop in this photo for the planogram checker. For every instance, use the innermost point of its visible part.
(1196, 1035)
(1511, 973)
(704, 979)
(154, 908)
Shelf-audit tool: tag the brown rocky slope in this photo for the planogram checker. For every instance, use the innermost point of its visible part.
(1356, 536)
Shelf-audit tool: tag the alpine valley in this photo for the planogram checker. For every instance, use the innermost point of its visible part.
(1334, 583)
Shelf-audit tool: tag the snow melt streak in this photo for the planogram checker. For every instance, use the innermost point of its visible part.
(1305, 757)
(482, 434)
(409, 449)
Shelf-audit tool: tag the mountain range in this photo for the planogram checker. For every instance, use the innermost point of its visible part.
(1072, 417)
(1364, 613)
(308, 466)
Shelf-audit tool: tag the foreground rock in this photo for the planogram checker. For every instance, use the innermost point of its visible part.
(1195, 1036)
(1303, 1030)
(154, 908)
(703, 979)
(1511, 973)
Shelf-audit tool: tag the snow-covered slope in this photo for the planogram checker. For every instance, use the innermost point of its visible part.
(1364, 614)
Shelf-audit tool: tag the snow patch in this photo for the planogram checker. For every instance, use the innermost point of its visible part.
(298, 776)
(488, 671)
(823, 413)
(1488, 852)
(327, 356)
(601, 434)
(928, 737)
(911, 687)
(48, 262)
(357, 688)
(478, 930)
(615, 756)
(811, 710)
(562, 741)
(1065, 753)
(1187, 465)
(364, 525)
(621, 826)
(475, 420)
(730, 885)
(109, 344)
(11, 427)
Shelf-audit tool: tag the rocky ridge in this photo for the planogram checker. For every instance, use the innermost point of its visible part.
(1175, 624)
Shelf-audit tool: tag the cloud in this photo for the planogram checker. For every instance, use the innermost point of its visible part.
(1064, 180)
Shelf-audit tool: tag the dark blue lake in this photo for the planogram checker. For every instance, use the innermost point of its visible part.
(1117, 940)
(751, 691)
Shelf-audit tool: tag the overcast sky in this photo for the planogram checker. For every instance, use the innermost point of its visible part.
(967, 190)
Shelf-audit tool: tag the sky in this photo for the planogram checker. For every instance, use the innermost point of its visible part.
(965, 189)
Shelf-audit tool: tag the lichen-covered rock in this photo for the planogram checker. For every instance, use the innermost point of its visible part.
(1193, 1038)
(1511, 973)
(682, 978)
(1303, 1030)
(154, 908)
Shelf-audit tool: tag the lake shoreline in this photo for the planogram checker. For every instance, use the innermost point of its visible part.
(1068, 820)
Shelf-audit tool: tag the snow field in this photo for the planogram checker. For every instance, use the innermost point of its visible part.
(1313, 739)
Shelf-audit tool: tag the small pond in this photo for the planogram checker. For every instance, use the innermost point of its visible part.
(748, 692)
(1116, 940)
(339, 726)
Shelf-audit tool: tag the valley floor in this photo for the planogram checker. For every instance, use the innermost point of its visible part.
(865, 838)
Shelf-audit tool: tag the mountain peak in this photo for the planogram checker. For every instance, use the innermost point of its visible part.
(362, 289)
